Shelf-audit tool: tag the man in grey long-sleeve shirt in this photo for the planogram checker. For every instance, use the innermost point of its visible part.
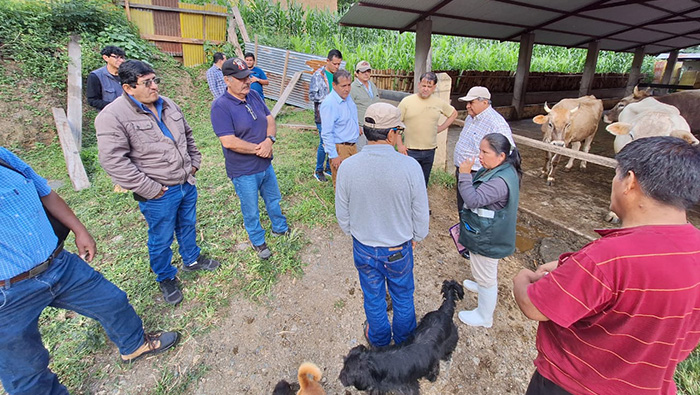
(381, 201)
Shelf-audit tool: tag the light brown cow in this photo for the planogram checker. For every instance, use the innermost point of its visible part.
(569, 122)
(687, 102)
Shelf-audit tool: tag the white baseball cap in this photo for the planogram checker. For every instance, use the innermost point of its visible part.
(476, 92)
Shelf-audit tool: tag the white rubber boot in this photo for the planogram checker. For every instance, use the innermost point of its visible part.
(470, 286)
(483, 314)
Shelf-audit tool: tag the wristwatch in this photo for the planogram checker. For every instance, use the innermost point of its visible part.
(272, 138)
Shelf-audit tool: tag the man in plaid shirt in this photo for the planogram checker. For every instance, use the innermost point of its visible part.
(482, 120)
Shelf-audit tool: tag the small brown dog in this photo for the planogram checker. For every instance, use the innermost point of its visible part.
(309, 377)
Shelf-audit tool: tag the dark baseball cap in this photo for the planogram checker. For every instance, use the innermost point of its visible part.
(235, 67)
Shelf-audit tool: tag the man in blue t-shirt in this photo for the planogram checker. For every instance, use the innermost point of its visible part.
(36, 271)
(247, 132)
(258, 79)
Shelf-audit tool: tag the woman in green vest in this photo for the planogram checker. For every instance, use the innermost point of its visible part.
(487, 220)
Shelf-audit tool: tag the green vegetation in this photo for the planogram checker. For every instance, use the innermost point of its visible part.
(317, 31)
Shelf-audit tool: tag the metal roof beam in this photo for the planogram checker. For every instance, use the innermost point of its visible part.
(425, 15)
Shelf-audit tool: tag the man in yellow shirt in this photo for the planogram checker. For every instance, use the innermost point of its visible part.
(421, 112)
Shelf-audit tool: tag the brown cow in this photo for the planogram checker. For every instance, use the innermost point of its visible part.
(687, 102)
(569, 122)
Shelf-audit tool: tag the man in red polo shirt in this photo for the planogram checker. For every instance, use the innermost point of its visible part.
(617, 316)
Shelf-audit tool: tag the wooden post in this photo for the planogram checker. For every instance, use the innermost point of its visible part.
(75, 91)
(589, 69)
(287, 91)
(635, 70)
(424, 31)
(443, 91)
(256, 48)
(284, 72)
(233, 38)
(239, 22)
(128, 10)
(522, 72)
(71, 153)
(668, 71)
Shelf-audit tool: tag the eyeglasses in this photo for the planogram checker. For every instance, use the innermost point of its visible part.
(366, 71)
(250, 111)
(398, 130)
(113, 56)
(148, 83)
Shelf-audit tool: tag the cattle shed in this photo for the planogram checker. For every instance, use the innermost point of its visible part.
(641, 27)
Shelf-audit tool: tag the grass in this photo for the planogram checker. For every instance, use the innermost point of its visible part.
(77, 343)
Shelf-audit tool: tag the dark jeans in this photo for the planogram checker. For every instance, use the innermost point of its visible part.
(173, 213)
(377, 272)
(425, 158)
(539, 385)
(321, 154)
(68, 283)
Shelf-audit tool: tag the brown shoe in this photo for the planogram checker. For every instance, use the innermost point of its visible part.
(153, 343)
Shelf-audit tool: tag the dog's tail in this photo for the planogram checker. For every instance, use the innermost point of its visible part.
(451, 292)
(306, 369)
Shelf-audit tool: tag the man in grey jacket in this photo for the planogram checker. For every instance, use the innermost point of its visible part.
(147, 147)
(381, 201)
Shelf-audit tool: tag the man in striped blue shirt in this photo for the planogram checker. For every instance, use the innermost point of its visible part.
(36, 272)
(482, 120)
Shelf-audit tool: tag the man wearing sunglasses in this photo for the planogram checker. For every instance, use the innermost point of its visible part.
(147, 147)
(381, 201)
(103, 84)
(247, 132)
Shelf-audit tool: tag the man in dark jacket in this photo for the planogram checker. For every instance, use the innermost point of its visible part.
(103, 85)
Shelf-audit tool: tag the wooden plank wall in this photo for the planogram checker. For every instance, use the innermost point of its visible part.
(180, 34)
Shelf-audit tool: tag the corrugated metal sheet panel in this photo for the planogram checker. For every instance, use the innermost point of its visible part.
(143, 18)
(271, 61)
(215, 26)
(192, 27)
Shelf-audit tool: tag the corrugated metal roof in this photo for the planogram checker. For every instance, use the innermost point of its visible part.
(659, 25)
(271, 61)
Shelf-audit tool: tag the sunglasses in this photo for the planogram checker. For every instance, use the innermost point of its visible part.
(148, 83)
(366, 71)
(398, 130)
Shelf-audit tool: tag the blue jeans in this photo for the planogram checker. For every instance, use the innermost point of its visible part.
(174, 212)
(321, 153)
(247, 188)
(69, 283)
(425, 158)
(376, 273)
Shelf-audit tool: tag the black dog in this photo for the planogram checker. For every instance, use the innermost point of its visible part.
(398, 368)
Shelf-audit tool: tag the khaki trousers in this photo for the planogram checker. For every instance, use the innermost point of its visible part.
(344, 151)
(484, 269)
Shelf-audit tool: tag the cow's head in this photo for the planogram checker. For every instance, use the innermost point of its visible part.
(555, 124)
(613, 115)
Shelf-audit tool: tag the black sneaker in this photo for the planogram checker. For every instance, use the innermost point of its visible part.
(328, 172)
(285, 233)
(202, 263)
(320, 176)
(153, 343)
(263, 251)
(171, 291)
(465, 254)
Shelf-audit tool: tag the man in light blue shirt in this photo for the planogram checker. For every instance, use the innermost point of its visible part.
(339, 127)
(381, 201)
(215, 78)
(36, 272)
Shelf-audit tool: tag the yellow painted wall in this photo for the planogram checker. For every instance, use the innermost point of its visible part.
(201, 27)
(143, 19)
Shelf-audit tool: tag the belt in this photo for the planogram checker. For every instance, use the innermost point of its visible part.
(36, 270)
(346, 143)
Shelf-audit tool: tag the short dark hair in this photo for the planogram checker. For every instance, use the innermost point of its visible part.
(112, 50)
(218, 56)
(430, 76)
(373, 134)
(131, 70)
(500, 144)
(249, 55)
(334, 53)
(342, 73)
(667, 169)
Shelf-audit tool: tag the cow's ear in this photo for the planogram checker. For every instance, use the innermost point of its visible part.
(540, 119)
(619, 128)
